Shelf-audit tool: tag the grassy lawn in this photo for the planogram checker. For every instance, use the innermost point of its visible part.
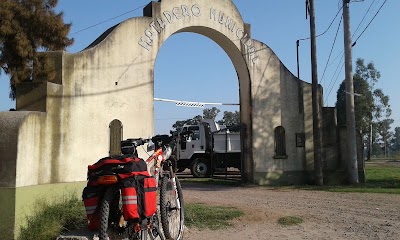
(382, 176)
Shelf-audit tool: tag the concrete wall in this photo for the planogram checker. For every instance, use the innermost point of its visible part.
(62, 124)
(275, 98)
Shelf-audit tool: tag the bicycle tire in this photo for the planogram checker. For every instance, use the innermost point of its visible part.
(172, 219)
(105, 211)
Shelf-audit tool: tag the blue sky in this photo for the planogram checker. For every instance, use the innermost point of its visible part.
(193, 68)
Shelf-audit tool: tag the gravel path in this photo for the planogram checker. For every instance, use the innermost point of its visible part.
(326, 215)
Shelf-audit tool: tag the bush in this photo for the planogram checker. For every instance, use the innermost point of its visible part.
(52, 219)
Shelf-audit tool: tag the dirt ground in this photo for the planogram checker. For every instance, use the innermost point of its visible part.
(326, 215)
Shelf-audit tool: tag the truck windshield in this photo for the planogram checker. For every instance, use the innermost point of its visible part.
(196, 132)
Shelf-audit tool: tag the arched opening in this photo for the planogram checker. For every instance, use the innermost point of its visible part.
(202, 71)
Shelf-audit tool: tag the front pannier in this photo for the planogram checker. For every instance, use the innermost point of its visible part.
(139, 197)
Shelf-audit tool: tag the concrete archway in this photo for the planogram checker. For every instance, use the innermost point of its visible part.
(62, 124)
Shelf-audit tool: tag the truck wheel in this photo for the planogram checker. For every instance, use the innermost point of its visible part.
(201, 168)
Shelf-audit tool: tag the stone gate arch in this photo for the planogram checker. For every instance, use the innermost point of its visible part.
(62, 124)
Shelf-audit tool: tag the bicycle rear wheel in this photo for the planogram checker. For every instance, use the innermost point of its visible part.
(107, 209)
(171, 208)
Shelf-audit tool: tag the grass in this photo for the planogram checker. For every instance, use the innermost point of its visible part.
(50, 219)
(381, 177)
(290, 220)
(53, 219)
(212, 217)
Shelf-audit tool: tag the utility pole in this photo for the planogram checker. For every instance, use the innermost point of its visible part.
(352, 168)
(316, 102)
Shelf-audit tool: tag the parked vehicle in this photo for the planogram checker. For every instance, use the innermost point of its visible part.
(208, 147)
(121, 195)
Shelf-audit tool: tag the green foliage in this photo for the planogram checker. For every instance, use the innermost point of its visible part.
(26, 27)
(192, 121)
(372, 109)
(212, 217)
(371, 106)
(52, 219)
(211, 113)
(396, 139)
(290, 221)
(230, 118)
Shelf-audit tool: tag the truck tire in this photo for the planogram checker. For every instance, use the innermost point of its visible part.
(201, 168)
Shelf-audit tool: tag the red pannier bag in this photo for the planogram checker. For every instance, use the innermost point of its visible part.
(91, 196)
(139, 197)
(124, 166)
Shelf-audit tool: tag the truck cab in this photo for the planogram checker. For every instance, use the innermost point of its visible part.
(205, 146)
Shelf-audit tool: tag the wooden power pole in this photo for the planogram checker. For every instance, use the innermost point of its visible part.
(352, 168)
(316, 102)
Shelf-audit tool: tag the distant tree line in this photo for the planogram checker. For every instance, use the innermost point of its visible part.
(229, 118)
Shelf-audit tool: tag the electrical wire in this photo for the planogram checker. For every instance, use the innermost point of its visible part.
(332, 83)
(355, 42)
(362, 20)
(97, 24)
(326, 29)
(330, 54)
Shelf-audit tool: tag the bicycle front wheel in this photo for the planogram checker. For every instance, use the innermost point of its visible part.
(171, 208)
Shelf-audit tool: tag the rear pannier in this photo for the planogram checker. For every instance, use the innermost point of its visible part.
(139, 197)
(91, 199)
(124, 166)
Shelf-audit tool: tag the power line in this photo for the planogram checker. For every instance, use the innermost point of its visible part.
(362, 20)
(107, 20)
(332, 83)
(327, 28)
(333, 45)
(355, 42)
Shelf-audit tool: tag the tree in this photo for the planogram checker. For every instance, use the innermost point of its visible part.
(230, 118)
(211, 113)
(192, 121)
(371, 106)
(27, 26)
(384, 132)
(396, 139)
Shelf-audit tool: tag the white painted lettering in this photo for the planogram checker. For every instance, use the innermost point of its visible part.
(168, 16)
(196, 11)
(153, 25)
(185, 11)
(149, 34)
(176, 13)
(213, 12)
(239, 33)
(161, 23)
(230, 24)
(145, 44)
(249, 42)
(254, 60)
(221, 17)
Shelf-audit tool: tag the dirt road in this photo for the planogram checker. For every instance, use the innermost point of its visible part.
(326, 215)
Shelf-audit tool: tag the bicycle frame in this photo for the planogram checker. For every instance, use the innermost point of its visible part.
(158, 160)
